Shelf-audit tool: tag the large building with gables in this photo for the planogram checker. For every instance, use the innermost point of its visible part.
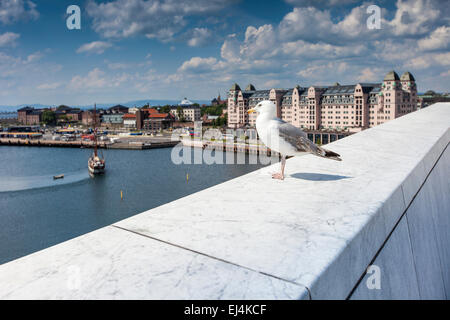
(337, 107)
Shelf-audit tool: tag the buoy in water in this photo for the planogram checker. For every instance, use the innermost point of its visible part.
(121, 195)
(187, 177)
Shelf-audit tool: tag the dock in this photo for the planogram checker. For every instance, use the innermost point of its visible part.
(128, 145)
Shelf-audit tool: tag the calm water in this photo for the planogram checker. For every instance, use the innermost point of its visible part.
(37, 212)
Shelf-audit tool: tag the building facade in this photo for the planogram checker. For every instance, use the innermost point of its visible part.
(186, 110)
(156, 122)
(129, 120)
(29, 116)
(337, 107)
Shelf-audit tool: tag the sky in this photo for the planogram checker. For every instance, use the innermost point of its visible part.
(170, 49)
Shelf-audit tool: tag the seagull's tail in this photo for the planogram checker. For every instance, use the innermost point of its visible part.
(330, 155)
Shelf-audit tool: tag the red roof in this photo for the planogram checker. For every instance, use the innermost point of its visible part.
(158, 115)
(150, 110)
(129, 116)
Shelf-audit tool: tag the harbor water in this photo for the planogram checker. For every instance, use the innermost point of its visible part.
(37, 212)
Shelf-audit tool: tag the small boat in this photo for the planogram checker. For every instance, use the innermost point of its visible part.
(59, 176)
(96, 164)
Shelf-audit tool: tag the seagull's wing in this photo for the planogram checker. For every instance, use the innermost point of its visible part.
(297, 138)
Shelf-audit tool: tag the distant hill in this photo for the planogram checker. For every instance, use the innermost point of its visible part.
(137, 103)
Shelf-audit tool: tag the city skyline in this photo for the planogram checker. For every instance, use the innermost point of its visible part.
(137, 49)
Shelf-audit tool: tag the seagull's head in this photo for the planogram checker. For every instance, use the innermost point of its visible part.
(265, 107)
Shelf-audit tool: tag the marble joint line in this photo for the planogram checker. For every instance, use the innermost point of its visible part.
(396, 224)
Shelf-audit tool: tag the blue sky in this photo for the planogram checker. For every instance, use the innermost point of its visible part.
(167, 49)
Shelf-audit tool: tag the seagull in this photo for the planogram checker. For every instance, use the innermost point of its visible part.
(283, 137)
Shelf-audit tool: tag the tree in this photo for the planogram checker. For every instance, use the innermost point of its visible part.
(430, 93)
(318, 141)
(48, 117)
(165, 109)
(180, 113)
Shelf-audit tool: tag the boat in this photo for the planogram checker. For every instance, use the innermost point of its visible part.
(96, 164)
(59, 176)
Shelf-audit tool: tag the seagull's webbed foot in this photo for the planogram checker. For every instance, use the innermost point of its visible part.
(278, 176)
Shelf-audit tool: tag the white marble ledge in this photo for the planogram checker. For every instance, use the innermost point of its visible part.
(324, 210)
(111, 263)
(319, 228)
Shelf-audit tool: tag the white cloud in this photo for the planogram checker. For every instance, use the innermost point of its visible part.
(319, 3)
(8, 39)
(34, 57)
(17, 10)
(199, 37)
(198, 65)
(97, 79)
(414, 17)
(49, 86)
(370, 74)
(438, 39)
(155, 19)
(306, 24)
(305, 49)
(97, 47)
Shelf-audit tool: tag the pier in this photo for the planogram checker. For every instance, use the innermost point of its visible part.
(49, 143)
(129, 145)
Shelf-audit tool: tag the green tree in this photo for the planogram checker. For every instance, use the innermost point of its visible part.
(165, 109)
(319, 141)
(180, 113)
(430, 93)
(48, 117)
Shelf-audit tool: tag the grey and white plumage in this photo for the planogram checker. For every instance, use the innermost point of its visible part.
(285, 138)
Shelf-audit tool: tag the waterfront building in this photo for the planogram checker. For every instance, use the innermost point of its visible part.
(337, 107)
(29, 116)
(129, 120)
(156, 122)
(133, 110)
(87, 117)
(67, 114)
(112, 118)
(186, 110)
(218, 101)
(431, 97)
(118, 109)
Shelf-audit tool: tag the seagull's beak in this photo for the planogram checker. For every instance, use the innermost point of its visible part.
(251, 111)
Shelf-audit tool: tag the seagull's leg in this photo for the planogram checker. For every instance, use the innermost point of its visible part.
(281, 174)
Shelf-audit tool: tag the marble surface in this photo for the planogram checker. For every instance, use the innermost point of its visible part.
(111, 263)
(440, 190)
(424, 243)
(316, 231)
(398, 278)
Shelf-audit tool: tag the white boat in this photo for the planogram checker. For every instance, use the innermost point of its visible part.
(96, 164)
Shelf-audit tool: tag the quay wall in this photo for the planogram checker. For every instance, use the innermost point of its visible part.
(373, 226)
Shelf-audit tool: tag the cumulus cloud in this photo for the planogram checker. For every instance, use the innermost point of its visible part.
(438, 39)
(160, 19)
(199, 37)
(319, 3)
(49, 86)
(97, 47)
(311, 45)
(17, 10)
(8, 39)
(198, 65)
(97, 79)
(416, 17)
